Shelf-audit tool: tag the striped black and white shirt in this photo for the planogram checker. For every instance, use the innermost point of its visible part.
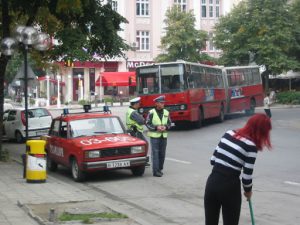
(234, 155)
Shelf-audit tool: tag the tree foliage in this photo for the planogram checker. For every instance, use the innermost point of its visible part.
(182, 40)
(83, 28)
(266, 30)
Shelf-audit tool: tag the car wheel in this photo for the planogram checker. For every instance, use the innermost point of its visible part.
(138, 171)
(19, 138)
(77, 174)
(51, 165)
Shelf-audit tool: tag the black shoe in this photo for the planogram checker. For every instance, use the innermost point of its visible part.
(157, 174)
(161, 172)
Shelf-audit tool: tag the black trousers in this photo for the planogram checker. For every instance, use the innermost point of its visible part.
(268, 112)
(222, 191)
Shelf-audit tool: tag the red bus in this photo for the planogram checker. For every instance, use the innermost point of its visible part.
(195, 92)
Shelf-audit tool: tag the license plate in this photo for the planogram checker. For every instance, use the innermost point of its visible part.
(118, 164)
(42, 132)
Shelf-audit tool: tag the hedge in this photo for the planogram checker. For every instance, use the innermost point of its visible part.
(289, 97)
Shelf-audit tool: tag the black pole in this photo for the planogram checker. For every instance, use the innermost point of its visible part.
(26, 90)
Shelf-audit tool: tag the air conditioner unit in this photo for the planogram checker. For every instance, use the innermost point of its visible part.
(134, 46)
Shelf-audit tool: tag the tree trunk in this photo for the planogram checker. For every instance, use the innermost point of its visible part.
(3, 64)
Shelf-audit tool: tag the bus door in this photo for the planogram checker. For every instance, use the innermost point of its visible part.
(236, 80)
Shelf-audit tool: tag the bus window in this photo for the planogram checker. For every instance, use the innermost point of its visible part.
(148, 80)
(256, 76)
(172, 78)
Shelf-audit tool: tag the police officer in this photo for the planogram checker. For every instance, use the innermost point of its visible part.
(134, 120)
(158, 122)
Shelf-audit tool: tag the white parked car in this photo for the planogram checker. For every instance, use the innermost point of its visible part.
(7, 106)
(39, 122)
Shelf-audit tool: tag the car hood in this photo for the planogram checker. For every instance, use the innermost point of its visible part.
(107, 141)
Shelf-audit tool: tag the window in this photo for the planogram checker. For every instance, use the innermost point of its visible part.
(142, 7)
(217, 11)
(217, 8)
(55, 128)
(143, 40)
(203, 8)
(181, 4)
(211, 8)
(114, 5)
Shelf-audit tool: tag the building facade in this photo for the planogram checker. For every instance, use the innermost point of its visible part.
(143, 33)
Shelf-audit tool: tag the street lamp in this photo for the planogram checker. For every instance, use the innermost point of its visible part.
(26, 37)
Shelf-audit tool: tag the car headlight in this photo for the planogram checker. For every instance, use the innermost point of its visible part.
(137, 149)
(92, 154)
(182, 107)
(141, 110)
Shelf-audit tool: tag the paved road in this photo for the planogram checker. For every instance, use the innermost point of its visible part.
(177, 197)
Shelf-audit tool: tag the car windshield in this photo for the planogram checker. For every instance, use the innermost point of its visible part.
(95, 126)
(39, 112)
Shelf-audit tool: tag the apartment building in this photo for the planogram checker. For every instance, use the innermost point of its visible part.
(143, 33)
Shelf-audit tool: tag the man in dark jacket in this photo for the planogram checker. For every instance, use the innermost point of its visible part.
(158, 123)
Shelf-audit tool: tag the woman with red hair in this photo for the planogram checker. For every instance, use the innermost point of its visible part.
(235, 154)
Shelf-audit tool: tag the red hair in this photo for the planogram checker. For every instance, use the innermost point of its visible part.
(257, 129)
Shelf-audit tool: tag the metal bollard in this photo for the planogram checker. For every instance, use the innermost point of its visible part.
(52, 215)
(23, 156)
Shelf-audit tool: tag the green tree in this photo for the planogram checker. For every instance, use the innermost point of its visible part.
(182, 40)
(82, 27)
(263, 30)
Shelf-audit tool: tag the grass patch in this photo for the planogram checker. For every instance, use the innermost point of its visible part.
(86, 218)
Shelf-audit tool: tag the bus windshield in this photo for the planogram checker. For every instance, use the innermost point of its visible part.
(159, 79)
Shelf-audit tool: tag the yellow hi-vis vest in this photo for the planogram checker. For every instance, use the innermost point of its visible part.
(157, 122)
(131, 123)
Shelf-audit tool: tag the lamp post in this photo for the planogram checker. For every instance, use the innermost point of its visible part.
(26, 37)
(58, 77)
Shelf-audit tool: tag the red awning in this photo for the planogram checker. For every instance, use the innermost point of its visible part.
(116, 79)
(51, 80)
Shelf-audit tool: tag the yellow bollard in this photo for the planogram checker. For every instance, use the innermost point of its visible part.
(36, 161)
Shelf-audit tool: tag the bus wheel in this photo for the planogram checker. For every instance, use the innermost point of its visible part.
(221, 116)
(199, 123)
(251, 110)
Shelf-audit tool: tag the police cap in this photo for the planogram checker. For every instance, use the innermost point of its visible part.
(135, 100)
(160, 99)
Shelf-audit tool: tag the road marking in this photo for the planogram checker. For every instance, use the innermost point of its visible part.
(179, 161)
(292, 183)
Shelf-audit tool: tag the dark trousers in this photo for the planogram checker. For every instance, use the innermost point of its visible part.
(222, 191)
(158, 153)
(268, 112)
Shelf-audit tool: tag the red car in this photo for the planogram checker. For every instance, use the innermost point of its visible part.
(93, 141)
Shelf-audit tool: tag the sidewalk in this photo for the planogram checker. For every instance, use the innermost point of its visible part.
(23, 203)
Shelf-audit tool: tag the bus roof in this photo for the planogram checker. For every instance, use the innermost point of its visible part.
(180, 61)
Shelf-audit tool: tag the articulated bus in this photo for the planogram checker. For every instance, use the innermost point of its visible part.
(195, 92)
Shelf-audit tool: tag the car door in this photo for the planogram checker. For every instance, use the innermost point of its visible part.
(10, 124)
(5, 116)
(55, 150)
(58, 142)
